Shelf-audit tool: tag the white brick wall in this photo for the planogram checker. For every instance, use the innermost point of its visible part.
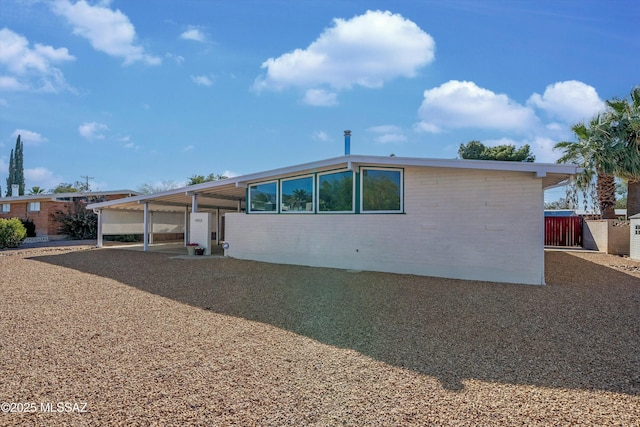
(465, 224)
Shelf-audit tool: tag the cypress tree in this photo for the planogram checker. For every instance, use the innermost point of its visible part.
(16, 170)
(18, 177)
(10, 176)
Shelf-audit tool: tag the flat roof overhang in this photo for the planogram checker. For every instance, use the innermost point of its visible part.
(230, 194)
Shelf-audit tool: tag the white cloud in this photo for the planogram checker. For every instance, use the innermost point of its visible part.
(320, 136)
(132, 146)
(29, 137)
(31, 68)
(178, 59)
(108, 31)
(202, 80)
(367, 51)
(8, 83)
(388, 134)
(320, 98)
(188, 148)
(462, 104)
(230, 174)
(570, 101)
(92, 130)
(194, 33)
(41, 177)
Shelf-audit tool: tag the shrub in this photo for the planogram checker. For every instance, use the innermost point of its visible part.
(127, 238)
(78, 222)
(30, 227)
(12, 233)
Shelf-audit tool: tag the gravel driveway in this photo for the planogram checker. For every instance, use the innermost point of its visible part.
(143, 339)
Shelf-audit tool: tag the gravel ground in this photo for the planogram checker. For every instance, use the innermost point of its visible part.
(143, 339)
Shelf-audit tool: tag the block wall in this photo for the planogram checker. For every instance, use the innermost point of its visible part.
(478, 225)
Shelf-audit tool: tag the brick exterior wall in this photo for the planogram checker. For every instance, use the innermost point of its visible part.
(43, 219)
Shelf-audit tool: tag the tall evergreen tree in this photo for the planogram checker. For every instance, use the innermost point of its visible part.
(18, 177)
(10, 175)
(16, 170)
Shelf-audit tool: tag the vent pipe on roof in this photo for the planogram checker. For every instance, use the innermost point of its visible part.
(347, 142)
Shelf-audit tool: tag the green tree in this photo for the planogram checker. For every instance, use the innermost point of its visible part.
(478, 151)
(592, 151)
(199, 179)
(148, 188)
(561, 203)
(609, 146)
(36, 190)
(12, 233)
(16, 170)
(64, 187)
(621, 191)
(78, 222)
(623, 123)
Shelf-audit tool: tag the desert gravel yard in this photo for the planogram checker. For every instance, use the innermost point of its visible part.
(133, 338)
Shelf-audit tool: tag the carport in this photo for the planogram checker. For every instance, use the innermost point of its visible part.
(168, 212)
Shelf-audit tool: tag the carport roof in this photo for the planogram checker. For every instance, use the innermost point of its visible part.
(227, 193)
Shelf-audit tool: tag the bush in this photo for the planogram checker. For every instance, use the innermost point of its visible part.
(127, 238)
(12, 233)
(78, 222)
(30, 227)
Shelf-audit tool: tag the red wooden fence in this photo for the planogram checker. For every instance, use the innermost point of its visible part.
(563, 231)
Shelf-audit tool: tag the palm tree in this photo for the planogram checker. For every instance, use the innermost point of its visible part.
(36, 190)
(623, 120)
(593, 152)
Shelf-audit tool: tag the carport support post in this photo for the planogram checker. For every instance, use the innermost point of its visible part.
(146, 226)
(186, 225)
(99, 241)
(217, 226)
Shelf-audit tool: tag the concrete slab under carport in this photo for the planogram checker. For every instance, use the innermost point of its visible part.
(172, 248)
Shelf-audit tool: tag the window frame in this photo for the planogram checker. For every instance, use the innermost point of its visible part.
(313, 194)
(276, 202)
(353, 191)
(400, 210)
(30, 206)
(5, 208)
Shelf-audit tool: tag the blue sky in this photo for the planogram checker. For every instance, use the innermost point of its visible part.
(135, 92)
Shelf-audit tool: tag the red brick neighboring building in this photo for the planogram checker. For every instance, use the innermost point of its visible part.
(41, 208)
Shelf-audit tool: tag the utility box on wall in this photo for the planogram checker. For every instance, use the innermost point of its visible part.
(200, 230)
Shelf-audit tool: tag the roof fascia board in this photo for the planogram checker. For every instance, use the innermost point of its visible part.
(354, 160)
(57, 196)
(468, 164)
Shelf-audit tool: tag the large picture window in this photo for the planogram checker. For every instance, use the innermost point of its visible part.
(296, 195)
(381, 190)
(263, 197)
(335, 192)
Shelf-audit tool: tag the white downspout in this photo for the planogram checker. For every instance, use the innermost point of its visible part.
(146, 226)
(186, 225)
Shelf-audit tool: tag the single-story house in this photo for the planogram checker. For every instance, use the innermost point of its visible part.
(464, 219)
(41, 208)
